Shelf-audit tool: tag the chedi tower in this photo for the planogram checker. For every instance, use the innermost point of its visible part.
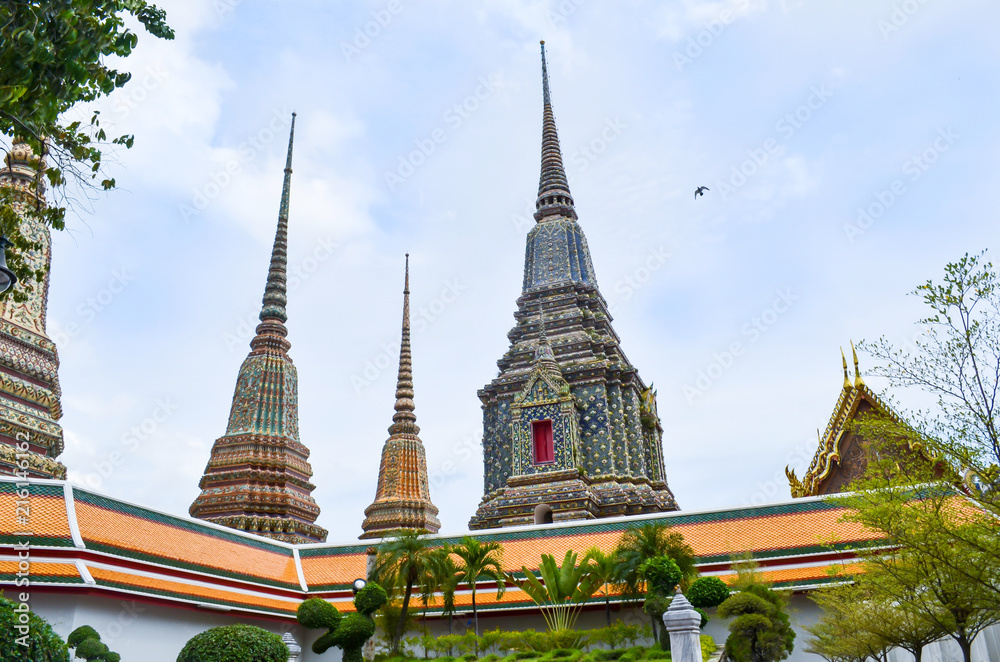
(403, 497)
(570, 431)
(30, 406)
(257, 478)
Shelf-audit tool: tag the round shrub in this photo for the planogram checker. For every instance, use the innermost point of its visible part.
(235, 643)
(44, 645)
(370, 598)
(661, 574)
(317, 613)
(80, 635)
(90, 649)
(708, 592)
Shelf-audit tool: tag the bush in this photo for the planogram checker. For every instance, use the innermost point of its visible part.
(708, 647)
(44, 645)
(80, 635)
(234, 643)
(707, 592)
(656, 654)
(760, 629)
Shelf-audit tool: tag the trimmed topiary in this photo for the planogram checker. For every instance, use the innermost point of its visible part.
(89, 646)
(350, 632)
(80, 635)
(707, 592)
(42, 643)
(235, 643)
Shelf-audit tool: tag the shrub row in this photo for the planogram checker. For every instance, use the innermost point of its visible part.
(616, 636)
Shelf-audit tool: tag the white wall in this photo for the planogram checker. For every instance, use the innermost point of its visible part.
(143, 632)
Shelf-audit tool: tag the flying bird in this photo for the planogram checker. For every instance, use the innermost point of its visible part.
(700, 191)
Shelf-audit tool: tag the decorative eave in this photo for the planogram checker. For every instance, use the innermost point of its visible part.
(828, 454)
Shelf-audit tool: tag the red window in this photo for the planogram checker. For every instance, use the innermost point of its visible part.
(541, 433)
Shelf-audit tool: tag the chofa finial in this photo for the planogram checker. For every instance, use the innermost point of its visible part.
(858, 382)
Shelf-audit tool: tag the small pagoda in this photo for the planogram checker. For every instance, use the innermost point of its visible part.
(257, 478)
(403, 497)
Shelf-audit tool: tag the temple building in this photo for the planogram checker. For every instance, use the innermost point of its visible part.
(402, 498)
(30, 406)
(257, 478)
(570, 430)
(840, 457)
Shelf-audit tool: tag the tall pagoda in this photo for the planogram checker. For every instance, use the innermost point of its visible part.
(30, 406)
(403, 497)
(570, 431)
(257, 478)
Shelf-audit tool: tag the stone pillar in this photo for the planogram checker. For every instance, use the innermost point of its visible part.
(294, 650)
(682, 622)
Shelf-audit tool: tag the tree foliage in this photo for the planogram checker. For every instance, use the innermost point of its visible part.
(477, 560)
(561, 590)
(234, 643)
(350, 632)
(760, 630)
(53, 56)
(707, 592)
(42, 644)
(930, 486)
(402, 564)
(88, 646)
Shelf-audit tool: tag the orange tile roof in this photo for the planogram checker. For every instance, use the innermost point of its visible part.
(198, 562)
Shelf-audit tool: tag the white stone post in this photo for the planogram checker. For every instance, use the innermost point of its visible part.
(294, 650)
(682, 622)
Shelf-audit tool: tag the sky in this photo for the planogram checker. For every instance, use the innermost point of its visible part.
(849, 149)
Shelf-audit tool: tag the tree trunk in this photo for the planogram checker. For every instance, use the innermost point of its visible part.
(607, 607)
(401, 626)
(475, 619)
(966, 647)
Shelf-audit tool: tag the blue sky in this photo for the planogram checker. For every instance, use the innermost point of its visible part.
(824, 106)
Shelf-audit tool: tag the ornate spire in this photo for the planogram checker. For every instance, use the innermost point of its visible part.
(402, 498)
(554, 198)
(404, 420)
(275, 297)
(847, 380)
(858, 382)
(257, 478)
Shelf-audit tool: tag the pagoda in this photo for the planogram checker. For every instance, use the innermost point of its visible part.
(403, 497)
(30, 406)
(257, 478)
(570, 430)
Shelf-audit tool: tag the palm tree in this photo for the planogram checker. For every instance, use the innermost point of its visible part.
(642, 543)
(479, 560)
(605, 568)
(402, 563)
(639, 544)
(440, 576)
